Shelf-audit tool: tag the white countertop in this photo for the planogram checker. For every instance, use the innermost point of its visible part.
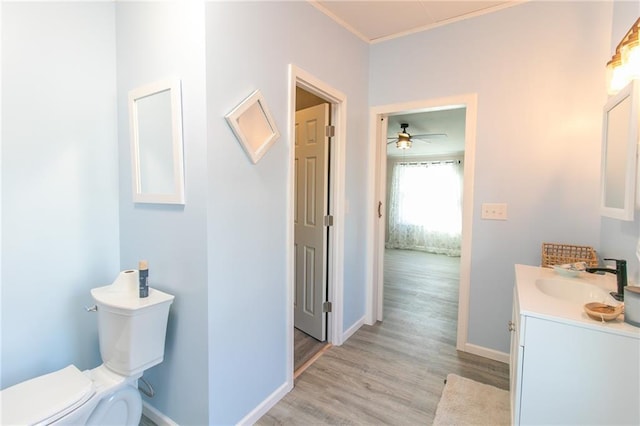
(535, 303)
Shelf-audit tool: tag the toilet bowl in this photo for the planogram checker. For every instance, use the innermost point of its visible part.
(131, 334)
(72, 397)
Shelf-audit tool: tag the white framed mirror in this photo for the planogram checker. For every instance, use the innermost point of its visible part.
(619, 151)
(253, 126)
(155, 116)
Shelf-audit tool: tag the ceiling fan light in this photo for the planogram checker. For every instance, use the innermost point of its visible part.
(404, 141)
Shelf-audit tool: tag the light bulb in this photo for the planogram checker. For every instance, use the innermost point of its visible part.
(617, 76)
(630, 52)
(404, 141)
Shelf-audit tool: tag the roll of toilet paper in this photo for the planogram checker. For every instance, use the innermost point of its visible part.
(126, 282)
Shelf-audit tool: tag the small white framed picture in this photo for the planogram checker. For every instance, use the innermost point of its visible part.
(253, 126)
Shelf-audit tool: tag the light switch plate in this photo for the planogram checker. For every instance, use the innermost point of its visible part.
(494, 211)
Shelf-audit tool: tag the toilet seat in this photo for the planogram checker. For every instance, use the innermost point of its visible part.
(45, 399)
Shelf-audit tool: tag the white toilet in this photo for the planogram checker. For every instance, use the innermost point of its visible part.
(132, 335)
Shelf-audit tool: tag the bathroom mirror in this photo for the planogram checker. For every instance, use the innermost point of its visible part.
(619, 147)
(155, 114)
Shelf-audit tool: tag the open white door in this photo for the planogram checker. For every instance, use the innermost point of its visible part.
(381, 217)
(310, 240)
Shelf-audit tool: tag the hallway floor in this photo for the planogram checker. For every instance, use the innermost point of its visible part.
(392, 372)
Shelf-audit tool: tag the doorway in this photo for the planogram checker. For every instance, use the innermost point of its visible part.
(309, 93)
(379, 127)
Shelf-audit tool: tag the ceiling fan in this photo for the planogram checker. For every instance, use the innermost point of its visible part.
(404, 139)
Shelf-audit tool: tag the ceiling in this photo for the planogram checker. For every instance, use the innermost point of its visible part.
(375, 21)
(451, 122)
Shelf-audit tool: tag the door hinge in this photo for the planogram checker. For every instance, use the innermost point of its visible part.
(326, 307)
(328, 220)
(330, 131)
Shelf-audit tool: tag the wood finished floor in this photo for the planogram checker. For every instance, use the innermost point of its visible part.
(304, 348)
(392, 372)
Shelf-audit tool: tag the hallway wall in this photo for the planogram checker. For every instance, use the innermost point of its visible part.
(250, 46)
(538, 70)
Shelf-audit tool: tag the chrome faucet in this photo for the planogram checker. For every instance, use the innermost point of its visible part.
(621, 276)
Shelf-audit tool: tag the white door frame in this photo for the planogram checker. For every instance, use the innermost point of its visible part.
(335, 255)
(377, 192)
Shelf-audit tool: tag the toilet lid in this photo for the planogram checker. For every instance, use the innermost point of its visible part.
(46, 398)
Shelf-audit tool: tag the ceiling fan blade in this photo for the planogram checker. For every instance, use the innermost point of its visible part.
(392, 141)
(420, 140)
(430, 135)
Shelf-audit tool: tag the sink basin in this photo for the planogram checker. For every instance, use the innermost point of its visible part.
(572, 291)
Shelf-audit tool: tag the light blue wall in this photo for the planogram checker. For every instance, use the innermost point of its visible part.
(618, 239)
(156, 41)
(68, 225)
(67, 218)
(538, 70)
(59, 182)
(249, 46)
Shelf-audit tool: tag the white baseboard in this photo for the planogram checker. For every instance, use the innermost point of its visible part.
(285, 388)
(351, 330)
(486, 352)
(266, 405)
(156, 416)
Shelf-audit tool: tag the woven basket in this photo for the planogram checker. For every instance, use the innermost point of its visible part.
(558, 254)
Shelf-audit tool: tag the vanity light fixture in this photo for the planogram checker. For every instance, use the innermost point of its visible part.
(624, 65)
(616, 74)
(630, 52)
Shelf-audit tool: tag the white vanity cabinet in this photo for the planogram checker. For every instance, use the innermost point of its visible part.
(567, 368)
(515, 361)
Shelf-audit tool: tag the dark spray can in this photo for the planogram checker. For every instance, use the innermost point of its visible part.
(143, 269)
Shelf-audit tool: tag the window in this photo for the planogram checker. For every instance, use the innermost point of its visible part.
(425, 207)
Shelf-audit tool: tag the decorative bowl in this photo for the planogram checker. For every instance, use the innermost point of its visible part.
(570, 269)
(602, 312)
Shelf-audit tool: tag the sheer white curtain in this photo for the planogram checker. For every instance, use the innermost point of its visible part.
(425, 207)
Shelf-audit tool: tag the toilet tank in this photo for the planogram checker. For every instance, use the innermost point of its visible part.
(131, 330)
